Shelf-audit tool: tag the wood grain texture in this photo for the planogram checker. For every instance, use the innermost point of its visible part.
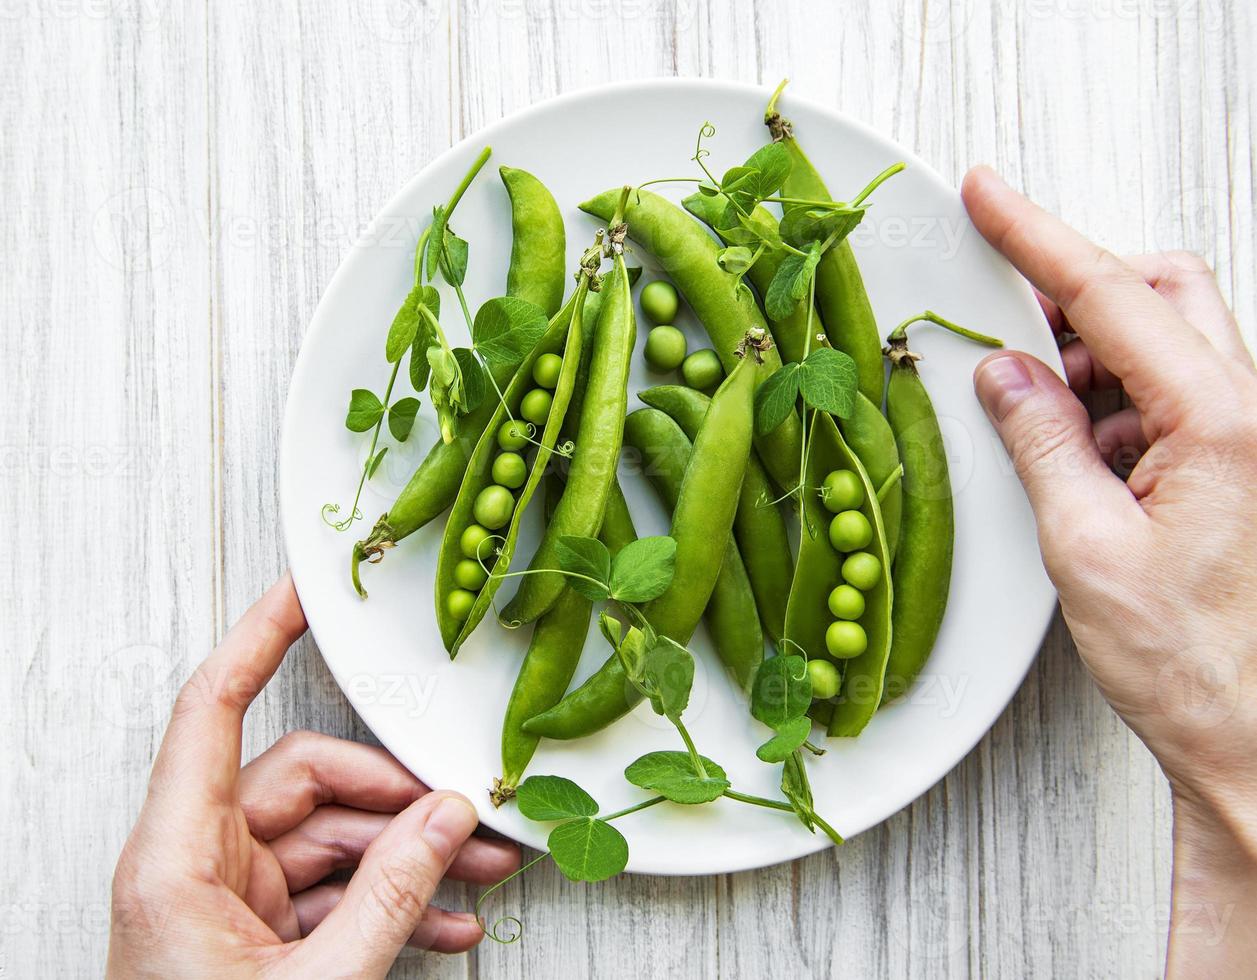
(179, 182)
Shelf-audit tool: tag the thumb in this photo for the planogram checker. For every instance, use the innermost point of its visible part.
(387, 897)
(1047, 433)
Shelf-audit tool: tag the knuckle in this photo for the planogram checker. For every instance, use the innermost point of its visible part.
(1046, 445)
(1189, 262)
(1101, 273)
(299, 743)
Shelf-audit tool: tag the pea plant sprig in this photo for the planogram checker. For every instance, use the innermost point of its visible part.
(583, 844)
(457, 379)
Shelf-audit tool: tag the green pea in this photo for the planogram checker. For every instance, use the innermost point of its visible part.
(845, 640)
(659, 301)
(665, 348)
(493, 507)
(846, 602)
(702, 369)
(472, 542)
(824, 678)
(862, 570)
(513, 435)
(458, 604)
(536, 406)
(470, 575)
(850, 531)
(841, 491)
(545, 371)
(510, 470)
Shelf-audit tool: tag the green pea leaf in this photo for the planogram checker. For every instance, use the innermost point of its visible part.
(668, 675)
(406, 323)
(475, 382)
(771, 164)
(553, 798)
(708, 189)
(632, 653)
(789, 737)
(733, 227)
(424, 338)
(588, 849)
(790, 284)
(643, 569)
(401, 417)
(454, 259)
(376, 460)
(801, 226)
(672, 775)
(775, 398)
(796, 788)
(736, 259)
(612, 629)
(506, 329)
(781, 691)
(828, 380)
(436, 238)
(365, 410)
(589, 558)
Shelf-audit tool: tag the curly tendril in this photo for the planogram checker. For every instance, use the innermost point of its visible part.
(506, 921)
(332, 509)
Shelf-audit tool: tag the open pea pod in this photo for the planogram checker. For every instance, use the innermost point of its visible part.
(819, 569)
(563, 337)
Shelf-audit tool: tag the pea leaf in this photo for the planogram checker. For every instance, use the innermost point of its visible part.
(733, 227)
(401, 417)
(790, 284)
(365, 409)
(436, 238)
(425, 337)
(736, 259)
(708, 189)
(475, 384)
(553, 798)
(771, 164)
(828, 380)
(789, 737)
(775, 398)
(586, 557)
(803, 225)
(612, 629)
(507, 328)
(667, 676)
(632, 653)
(797, 789)
(672, 775)
(454, 259)
(643, 569)
(588, 849)
(376, 460)
(781, 692)
(406, 323)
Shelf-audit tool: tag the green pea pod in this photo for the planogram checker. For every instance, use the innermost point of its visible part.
(866, 430)
(725, 306)
(922, 577)
(557, 338)
(538, 267)
(555, 649)
(758, 527)
(593, 465)
(531, 276)
(704, 513)
(731, 616)
(818, 571)
(840, 294)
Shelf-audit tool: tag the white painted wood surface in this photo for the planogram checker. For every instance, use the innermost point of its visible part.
(178, 182)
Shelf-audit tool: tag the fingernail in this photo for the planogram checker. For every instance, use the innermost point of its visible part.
(1002, 382)
(449, 825)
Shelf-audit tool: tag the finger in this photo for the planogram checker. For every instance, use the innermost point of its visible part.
(1048, 436)
(1188, 284)
(200, 754)
(335, 837)
(1055, 318)
(304, 770)
(1121, 439)
(1083, 372)
(1126, 325)
(438, 930)
(386, 898)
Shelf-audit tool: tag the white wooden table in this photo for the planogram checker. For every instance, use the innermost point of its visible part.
(178, 181)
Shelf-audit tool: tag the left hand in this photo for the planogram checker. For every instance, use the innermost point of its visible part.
(224, 872)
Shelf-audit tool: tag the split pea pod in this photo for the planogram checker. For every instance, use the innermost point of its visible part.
(822, 567)
(725, 306)
(553, 653)
(704, 513)
(597, 453)
(481, 479)
(532, 275)
(866, 429)
(758, 526)
(840, 294)
(731, 616)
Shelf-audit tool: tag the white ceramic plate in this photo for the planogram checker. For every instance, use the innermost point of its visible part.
(442, 718)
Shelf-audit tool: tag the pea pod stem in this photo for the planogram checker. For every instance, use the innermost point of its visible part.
(778, 805)
(897, 339)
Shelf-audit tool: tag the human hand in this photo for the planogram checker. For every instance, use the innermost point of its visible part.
(224, 872)
(1157, 574)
